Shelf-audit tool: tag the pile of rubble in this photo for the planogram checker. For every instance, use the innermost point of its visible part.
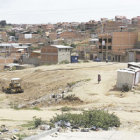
(6, 134)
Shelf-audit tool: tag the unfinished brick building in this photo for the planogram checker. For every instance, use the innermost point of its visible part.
(55, 54)
(115, 46)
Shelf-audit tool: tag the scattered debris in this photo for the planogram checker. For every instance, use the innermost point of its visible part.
(54, 135)
(14, 137)
(3, 129)
(45, 127)
(85, 130)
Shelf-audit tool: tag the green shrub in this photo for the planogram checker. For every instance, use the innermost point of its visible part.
(37, 121)
(34, 123)
(21, 136)
(125, 88)
(87, 119)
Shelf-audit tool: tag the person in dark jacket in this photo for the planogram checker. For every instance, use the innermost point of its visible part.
(99, 78)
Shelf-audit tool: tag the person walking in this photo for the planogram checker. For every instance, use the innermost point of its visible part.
(99, 78)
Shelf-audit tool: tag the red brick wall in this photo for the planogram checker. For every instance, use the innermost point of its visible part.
(34, 54)
(124, 40)
(49, 55)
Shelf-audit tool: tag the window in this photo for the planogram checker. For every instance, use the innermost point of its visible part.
(105, 40)
(104, 47)
(100, 47)
(109, 47)
(100, 40)
(109, 57)
(109, 40)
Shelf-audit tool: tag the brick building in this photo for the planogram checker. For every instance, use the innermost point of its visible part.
(55, 54)
(89, 50)
(91, 25)
(114, 46)
(12, 52)
(31, 38)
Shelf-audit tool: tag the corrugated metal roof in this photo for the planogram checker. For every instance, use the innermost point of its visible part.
(21, 47)
(5, 45)
(12, 64)
(62, 47)
(15, 45)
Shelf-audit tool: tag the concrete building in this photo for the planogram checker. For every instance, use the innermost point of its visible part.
(54, 54)
(114, 46)
(129, 76)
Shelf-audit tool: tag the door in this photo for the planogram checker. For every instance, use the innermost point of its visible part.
(131, 57)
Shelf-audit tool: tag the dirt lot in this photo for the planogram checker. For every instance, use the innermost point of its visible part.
(40, 81)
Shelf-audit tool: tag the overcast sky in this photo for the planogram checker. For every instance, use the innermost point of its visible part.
(44, 11)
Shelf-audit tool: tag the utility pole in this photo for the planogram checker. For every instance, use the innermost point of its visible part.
(102, 30)
(85, 45)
